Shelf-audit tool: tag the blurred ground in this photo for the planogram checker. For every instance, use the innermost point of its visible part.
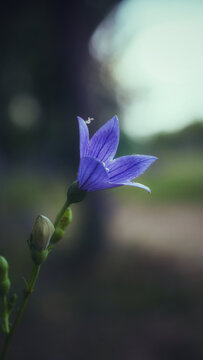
(173, 229)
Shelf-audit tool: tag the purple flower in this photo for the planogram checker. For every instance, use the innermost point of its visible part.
(98, 169)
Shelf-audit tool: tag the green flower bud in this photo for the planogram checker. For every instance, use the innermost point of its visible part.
(75, 194)
(42, 232)
(61, 226)
(58, 235)
(5, 286)
(4, 279)
(66, 219)
(3, 268)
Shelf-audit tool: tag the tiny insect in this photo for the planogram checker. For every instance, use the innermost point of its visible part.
(89, 120)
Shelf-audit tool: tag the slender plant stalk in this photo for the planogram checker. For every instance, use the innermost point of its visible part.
(26, 294)
(5, 315)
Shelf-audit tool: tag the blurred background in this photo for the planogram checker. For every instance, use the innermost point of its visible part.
(126, 282)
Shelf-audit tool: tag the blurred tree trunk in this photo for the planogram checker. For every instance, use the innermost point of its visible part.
(45, 55)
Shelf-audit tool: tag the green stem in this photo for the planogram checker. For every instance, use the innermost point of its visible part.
(26, 294)
(5, 315)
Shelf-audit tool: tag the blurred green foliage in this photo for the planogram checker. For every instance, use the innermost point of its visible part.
(175, 177)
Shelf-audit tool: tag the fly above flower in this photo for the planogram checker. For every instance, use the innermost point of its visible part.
(89, 120)
(98, 170)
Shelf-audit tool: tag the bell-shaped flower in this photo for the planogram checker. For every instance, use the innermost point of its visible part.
(98, 170)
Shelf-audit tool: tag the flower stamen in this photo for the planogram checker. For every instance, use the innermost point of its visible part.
(107, 169)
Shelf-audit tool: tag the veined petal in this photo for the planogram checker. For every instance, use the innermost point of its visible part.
(103, 145)
(111, 185)
(84, 136)
(141, 186)
(126, 168)
(91, 174)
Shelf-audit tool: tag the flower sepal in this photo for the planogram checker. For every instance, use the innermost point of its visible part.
(75, 194)
(38, 256)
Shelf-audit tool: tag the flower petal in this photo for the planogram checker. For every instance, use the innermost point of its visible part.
(91, 174)
(84, 136)
(141, 186)
(111, 185)
(126, 168)
(104, 143)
